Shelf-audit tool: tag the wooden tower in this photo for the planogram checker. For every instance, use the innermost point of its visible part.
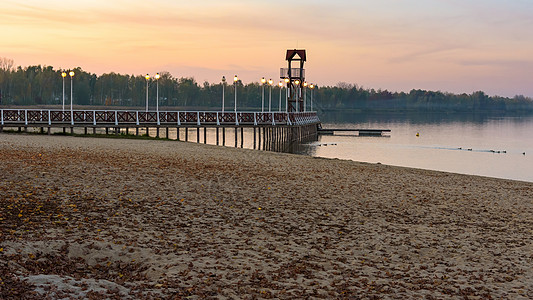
(294, 77)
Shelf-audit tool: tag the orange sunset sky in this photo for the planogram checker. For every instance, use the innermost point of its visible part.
(448, 45)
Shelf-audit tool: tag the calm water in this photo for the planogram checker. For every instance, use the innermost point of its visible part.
(442, 144)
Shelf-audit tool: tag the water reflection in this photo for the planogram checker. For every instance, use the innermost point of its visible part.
(480, 144)
(418, 118)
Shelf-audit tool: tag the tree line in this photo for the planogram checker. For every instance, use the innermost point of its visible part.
(43, 85)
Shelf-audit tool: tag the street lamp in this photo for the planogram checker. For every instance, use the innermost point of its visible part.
(312, 87)
(270, 95)
(305, 96)
(157, 76)
(71, 73)
(235, 79)
(157, 95)
(223, 84)
(280, 84)
(263, 81)
(63, 74)
(147, 78)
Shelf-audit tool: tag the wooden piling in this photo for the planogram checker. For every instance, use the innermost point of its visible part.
(242, 137)
(235, 136)
(197, 134)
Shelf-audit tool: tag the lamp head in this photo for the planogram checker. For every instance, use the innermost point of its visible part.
(286, 80)
(235, 79)
(224, 79)
(157, 76)
(63, 74)
(263, 80)
(71, 73)
(280, 84)
(297, 82)
(147, 76)
(270, 81)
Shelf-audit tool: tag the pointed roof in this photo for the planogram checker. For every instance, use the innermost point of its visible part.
(296, 55)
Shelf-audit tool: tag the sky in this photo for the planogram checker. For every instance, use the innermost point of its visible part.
(452, 46)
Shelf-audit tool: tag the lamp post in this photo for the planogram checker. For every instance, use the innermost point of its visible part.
(157, 95)
(287, 94)
(63, 74)
(270, 95)
(71, 73)
(263, 81)
(312, 87)
(223, 85)
(147, 78)
(235, 79)
(305, 96)
(280, 84)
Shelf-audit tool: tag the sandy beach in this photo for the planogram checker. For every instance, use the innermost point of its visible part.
(145, 219)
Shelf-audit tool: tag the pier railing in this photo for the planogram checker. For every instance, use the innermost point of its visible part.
(22, 117)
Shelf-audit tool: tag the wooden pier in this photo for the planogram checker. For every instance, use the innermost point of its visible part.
(275, 131)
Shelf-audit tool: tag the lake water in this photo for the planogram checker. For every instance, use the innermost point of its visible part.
(443, 144)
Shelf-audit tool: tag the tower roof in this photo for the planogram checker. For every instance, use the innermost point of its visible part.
(296, 55)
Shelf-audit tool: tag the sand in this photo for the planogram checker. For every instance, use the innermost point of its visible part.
(119, 218)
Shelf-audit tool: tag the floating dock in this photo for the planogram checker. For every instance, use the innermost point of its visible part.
(360, 132)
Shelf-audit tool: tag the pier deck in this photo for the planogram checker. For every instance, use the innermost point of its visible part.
(277, 131)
